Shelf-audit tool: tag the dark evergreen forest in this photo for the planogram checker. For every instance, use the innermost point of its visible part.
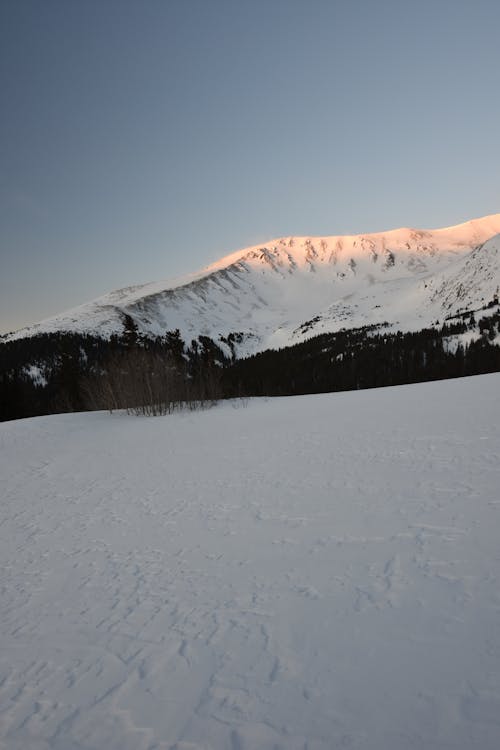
(59, 372)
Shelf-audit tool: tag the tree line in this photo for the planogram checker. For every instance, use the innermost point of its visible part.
(64, 372)
(59, 372)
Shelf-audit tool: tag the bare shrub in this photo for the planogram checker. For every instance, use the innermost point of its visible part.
(147, 383)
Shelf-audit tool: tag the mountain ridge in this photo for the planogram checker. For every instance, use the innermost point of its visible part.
(268, 292)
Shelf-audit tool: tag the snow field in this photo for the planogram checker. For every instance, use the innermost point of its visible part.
(311, 573)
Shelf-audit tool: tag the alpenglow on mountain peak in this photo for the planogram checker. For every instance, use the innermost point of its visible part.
(277, 293)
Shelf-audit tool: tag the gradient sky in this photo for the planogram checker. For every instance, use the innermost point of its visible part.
(142, 140)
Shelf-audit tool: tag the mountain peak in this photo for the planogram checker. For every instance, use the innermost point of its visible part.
(474, 231)
(268, 292)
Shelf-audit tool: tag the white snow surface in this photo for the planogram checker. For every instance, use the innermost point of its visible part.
(311, 573)
(291, 288)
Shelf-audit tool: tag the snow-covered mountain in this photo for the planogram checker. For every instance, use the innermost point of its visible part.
(291, 288)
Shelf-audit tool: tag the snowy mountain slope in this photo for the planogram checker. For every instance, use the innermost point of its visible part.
(326, 577)
(292, 288)
(473, 280)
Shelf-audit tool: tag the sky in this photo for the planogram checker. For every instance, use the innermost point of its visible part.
(142, 140)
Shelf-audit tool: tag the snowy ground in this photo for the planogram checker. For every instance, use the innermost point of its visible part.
(317, 572)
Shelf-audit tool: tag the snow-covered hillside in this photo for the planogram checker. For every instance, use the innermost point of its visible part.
(317, 572)
(291, 288)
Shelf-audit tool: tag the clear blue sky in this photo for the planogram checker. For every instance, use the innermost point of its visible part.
(142, 140)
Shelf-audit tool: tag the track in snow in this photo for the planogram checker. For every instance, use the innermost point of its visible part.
(312, 572)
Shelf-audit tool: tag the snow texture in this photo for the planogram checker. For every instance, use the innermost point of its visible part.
(292, 288)
(311, 573)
